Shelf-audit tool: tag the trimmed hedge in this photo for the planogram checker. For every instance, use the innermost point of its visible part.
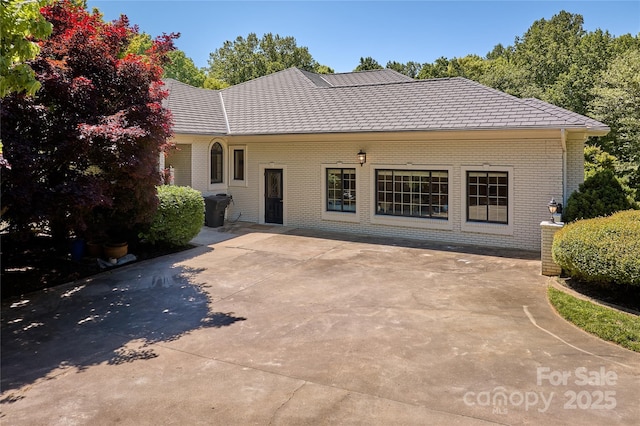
(603, 251)
(179, 217)
(600, 195)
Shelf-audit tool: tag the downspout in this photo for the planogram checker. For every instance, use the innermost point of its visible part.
(563, 141)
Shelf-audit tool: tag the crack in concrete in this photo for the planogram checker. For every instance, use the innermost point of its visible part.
(533, 321)
(275, 413)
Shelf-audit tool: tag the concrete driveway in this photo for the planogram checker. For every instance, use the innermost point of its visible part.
(278, 326)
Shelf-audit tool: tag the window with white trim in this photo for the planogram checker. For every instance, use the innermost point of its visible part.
(216, 162)
(487, 196)
(341, 190)
(238, 163)
(413, 193)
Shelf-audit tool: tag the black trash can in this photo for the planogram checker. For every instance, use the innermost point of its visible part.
(214, 208)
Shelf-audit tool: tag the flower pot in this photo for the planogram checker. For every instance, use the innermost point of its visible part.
(115, 250)
(94, 248)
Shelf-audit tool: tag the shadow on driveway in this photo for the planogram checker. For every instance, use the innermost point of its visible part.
(111, 318)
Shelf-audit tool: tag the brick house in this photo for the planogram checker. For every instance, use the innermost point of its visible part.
(445, 159)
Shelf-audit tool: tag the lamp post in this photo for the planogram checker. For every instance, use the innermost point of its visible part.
(553, 208)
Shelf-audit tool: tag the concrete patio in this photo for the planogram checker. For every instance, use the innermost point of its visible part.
(268, 325)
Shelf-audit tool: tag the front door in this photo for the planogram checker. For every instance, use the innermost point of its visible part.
(273, 205)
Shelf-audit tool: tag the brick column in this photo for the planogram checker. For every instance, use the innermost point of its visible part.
(549, 229)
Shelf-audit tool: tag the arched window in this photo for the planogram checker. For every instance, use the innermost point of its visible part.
(216, 163)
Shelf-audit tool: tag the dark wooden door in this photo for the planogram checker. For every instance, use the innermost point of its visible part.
(273, 205)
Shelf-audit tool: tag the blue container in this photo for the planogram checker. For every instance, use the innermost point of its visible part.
(77, 250)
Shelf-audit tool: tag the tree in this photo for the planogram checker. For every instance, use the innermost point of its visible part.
(21, 23)
(410, 69)
(616, 102)
(368, 63)
(178, 66)
(323, 69)
(86, 148)
(181, 68)
(213, 83)
(548, 48)
(503, 74)
(438, 69)
(245, 59)
(499, 51)
(572, 88)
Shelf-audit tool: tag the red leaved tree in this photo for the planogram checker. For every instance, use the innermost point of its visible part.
(84, 150)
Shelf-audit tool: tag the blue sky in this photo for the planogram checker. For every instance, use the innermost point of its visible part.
(338, 33)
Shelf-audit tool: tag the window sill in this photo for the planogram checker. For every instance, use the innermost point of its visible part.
(488, 228)
(341, 216)
(412, 222)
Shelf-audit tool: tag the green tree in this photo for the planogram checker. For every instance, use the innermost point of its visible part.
(213, 83)
(472, 67)
(548, 48)
(245, 59)
(616, 102)
(140, 43)
(499, 51)
(367, 64)
(572, 88)
(438, 69)
(323, 69)
(21, 25)
(596, 160)
(410, 69)
(503, 74)
(181, 68)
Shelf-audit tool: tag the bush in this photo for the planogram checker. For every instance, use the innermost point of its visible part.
(600, 195)
(179, 217)
(603, 251)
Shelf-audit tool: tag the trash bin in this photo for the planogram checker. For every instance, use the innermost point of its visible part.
(214, 208)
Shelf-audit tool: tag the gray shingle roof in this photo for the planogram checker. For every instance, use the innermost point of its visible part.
(561, 112)
(195, 110)
(295, 101)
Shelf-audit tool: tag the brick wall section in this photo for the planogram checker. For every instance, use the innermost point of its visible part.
(548, 230)
(536, 159)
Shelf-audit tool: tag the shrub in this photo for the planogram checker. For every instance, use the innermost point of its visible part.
(600, 195)
(603, 251)
(179, 217)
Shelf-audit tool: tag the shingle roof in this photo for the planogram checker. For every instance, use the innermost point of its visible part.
(561, 112)
(194, 110)
(295, 101)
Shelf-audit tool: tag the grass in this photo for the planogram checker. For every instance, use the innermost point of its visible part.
(608, 324)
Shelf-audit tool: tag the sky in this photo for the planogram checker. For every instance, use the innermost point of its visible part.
(339, 33)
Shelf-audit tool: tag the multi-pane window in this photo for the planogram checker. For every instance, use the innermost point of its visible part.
(238, 164)
(216, 163)
(413, 193)
(487, 197)
(341, 190)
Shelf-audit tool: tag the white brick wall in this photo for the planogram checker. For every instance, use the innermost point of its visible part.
(534, 157)
(575, 165)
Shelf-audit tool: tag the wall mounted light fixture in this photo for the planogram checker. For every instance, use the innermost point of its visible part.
(362, 157)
